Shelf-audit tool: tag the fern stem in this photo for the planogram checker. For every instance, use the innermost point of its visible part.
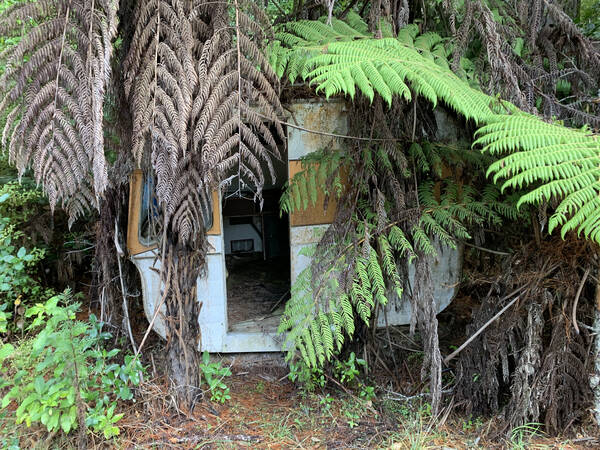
(239, 109)
(155, 71)
(58, 64)
(325, 133)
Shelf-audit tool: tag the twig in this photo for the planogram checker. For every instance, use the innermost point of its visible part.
(123, 294)
(278, 301)
(574, 316)
(494, 252)
(478, 332)
(162, 300)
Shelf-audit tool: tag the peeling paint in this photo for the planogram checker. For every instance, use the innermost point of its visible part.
(329, 117)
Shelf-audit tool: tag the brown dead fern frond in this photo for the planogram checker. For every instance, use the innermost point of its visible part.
(522, 55)
(161, 81)
(196, 100)
(532, 361)
(240, 92)
(53, 94)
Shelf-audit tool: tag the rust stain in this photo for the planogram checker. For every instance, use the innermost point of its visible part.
(314, 214)
(323, 117)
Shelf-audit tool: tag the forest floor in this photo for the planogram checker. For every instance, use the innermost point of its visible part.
(268, 411)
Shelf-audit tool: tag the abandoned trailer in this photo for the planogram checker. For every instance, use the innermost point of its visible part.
(254, 253)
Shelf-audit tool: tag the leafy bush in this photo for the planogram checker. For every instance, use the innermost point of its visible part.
(214, 374)
(18, 286)
(63, 377)
(345, 372)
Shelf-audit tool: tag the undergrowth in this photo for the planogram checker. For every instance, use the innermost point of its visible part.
(56, 373)
(62, 377)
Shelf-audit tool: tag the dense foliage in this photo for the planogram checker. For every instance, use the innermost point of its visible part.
(198, 83)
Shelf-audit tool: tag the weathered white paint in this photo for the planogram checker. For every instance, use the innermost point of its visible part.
(445, 274)
(301, 237)
(212, 294)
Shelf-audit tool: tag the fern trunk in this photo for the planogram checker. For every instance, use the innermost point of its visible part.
(183, 264)
(595, 378)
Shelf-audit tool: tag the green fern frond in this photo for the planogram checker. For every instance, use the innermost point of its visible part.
(408, 33)
(344, 59)
(303, 188)
(558, 162)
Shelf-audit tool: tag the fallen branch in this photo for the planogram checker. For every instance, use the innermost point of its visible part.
(478, 332)
(574, 316)
(120, 253)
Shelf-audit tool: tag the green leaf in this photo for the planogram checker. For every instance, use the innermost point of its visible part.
(125, 393)
(66, 423)
(22, 252)
(5, 351)
(39, 384)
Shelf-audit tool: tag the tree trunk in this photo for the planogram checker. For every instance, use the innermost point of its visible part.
(105, 259)
(182, 265)
(595, 378)
(425, 315)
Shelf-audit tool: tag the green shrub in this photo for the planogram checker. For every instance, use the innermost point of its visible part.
(214, 374)
(18, 285)
(63, 376)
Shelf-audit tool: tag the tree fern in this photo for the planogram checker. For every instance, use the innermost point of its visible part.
(321, 172)
(351, 279)
(52, 91)
(348, 61)
(559, 163)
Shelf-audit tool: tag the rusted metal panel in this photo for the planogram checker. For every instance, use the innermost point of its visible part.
(215, 230)
(134, 245)
(314, 214)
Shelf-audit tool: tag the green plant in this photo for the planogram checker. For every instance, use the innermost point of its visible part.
(346, 59)
(347, 372)
(308, 377)
(557, 162)
(352, 418)
(18, 286)
(520, 436)
(62, 377)
(351, 284)
(214, 374)
(471, 424)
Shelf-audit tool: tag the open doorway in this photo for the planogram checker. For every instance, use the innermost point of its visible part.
(257, 257)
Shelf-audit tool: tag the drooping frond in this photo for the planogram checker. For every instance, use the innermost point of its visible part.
(53, 93)
(201, 90)
(161, 82)
(343, 60)
(559, 163)
(358, 271)
(237, 104)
